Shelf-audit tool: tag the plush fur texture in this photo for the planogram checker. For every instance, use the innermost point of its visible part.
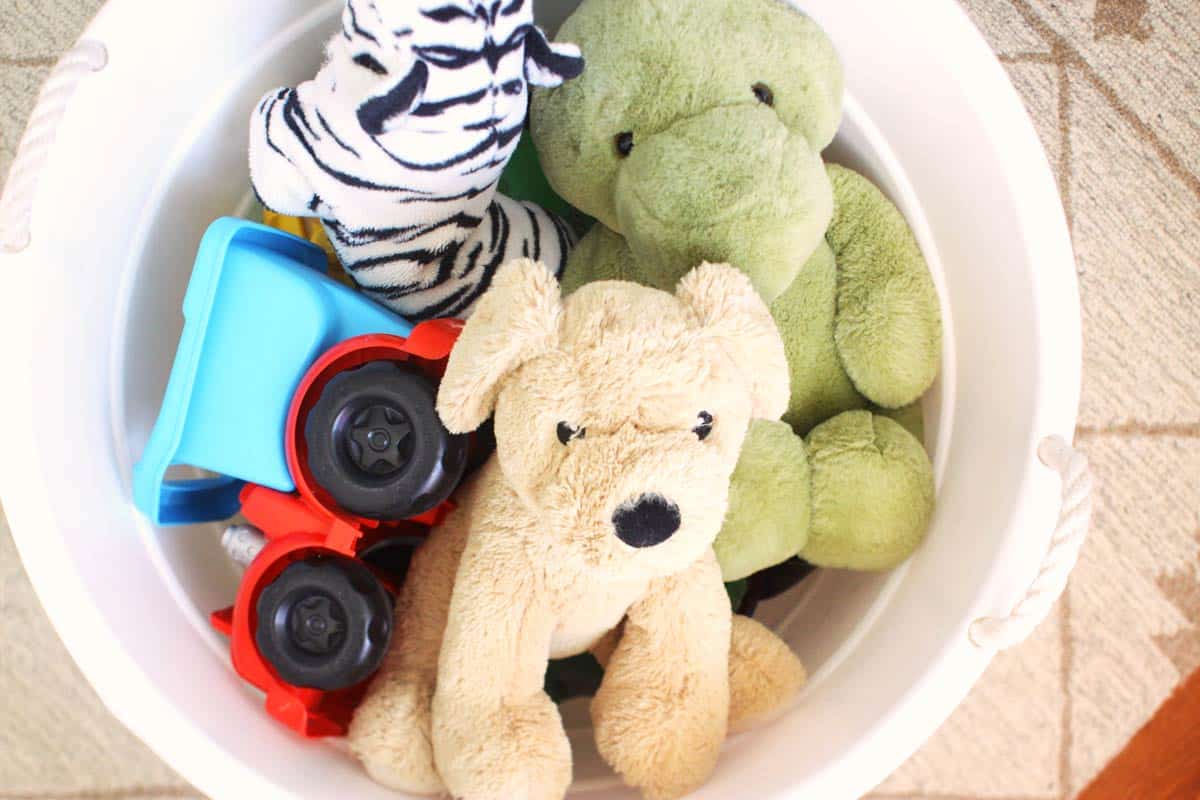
(398, 143)
(872, 492)
(762, 670)
(712, 169)
(807, 316)
(754, 533)
(857, 493)
(910, 417)
(729, 104)
(888, 328)
(533, 564)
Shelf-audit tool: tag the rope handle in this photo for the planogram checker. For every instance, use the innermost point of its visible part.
(1001, 633)
(16, 204)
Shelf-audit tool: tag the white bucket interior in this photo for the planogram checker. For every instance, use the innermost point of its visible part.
(878, 647)
(821, 618)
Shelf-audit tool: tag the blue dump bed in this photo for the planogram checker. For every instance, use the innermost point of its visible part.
(259, 310)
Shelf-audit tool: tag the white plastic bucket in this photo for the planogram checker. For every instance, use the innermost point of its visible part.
(151, 148)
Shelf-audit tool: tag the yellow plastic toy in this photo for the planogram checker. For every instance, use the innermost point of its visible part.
(310, 230)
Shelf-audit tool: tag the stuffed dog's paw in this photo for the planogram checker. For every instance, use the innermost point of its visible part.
(516, 753)
(390, 734)
(764, 674)
(661, 741)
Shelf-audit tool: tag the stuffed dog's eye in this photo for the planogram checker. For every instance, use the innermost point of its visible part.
(764, 94)
(624, 142)
(704, 425)
(567, 432)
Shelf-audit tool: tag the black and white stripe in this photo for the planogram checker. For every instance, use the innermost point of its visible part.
(400, 140)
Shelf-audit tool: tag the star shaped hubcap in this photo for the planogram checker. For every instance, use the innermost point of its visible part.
(377, 439)
(315, 626)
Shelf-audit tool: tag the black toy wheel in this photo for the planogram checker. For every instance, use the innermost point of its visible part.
(377, 446)
(392, 556)
(324, 623)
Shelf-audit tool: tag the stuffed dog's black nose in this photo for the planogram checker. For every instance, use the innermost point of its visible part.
(647, 521)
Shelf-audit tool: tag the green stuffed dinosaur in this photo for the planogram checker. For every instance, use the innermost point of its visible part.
(695, 134)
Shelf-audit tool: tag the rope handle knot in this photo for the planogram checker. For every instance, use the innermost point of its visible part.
(1001, 633)
(16, 204)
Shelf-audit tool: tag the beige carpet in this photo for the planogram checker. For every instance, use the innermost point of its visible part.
(1114, 86)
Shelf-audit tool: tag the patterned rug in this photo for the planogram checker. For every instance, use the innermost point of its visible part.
(1114, 86)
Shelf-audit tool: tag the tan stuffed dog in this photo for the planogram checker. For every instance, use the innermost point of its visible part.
(619, 415)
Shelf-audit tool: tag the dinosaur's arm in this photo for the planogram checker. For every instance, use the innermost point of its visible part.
(889, 325)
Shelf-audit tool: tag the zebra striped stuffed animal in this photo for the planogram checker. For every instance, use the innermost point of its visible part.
(398, 143)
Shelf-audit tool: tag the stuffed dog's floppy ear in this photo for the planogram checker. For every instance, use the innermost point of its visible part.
(515, 321)
(549, 65)
(727, 307)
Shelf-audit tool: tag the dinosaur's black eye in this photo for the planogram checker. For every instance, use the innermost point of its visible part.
(368, 61)
(764, 94)
(567, 432)
(624, 143)
(704, 425)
